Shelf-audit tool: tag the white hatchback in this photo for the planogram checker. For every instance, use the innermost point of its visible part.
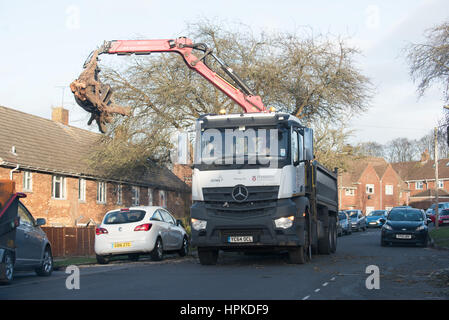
(139, 230)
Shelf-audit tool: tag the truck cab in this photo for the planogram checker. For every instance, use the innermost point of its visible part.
(254, 185)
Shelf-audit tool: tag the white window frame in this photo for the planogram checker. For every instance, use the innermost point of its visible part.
(150, 197)
(349, 192)
(419, 185)
(162, 198)
(119, 194)
(102, 189)
(82, 189)
(369, 186)
(62, 187)
(440, 184)
(389, 189)
(135, 195)
(27, 181)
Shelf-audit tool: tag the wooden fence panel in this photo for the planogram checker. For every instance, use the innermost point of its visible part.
(71, 241)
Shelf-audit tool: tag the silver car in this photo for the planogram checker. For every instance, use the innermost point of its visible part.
(33, 250)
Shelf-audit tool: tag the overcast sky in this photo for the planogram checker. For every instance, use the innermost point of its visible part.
(44, 43)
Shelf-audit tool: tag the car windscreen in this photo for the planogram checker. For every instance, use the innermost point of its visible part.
(119, 217)
(405, 215)
(376, 213)
(353, 214)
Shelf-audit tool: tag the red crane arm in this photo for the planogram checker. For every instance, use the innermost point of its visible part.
(184, 46)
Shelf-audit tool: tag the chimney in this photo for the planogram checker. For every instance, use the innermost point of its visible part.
(425, 156)
(61, 115)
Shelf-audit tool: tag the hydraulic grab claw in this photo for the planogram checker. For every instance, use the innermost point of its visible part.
(95, 97)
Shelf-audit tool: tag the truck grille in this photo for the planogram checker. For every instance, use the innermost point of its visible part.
(260, 201)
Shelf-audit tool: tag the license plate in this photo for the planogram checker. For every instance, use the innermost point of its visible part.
(404, 236)
(445, 221)
(121, 245)
(240, 239)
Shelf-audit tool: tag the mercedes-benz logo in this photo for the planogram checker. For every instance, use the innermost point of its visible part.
(240, 193)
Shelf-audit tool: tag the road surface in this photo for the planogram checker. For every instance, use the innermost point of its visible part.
(405, 273)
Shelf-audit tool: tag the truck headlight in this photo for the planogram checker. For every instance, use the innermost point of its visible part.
(284, 222)
(198, 224)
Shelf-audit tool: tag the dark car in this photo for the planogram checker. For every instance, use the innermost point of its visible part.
(344, 223)
(373, 219)
(358, 220)
(33, 250)
(405, 225)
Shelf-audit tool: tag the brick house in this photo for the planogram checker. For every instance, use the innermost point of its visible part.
(420, 179)
(370, 184)
(46, 159)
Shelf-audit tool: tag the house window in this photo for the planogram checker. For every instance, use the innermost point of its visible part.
(27, 181)
(349, 192)
(135, 191)
(101, 192)
(82, 189)
(370, 188)
(162, 199)
(150, 196)
(419, 185)
(58, 187)
(389, 189)
(440, 184)
(119, 194)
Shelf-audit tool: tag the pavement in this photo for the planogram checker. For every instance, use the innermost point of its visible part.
(405, 272)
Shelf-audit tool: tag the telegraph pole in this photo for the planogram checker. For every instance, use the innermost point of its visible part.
(436, 177)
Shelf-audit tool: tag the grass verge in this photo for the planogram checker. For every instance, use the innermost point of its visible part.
(441, 236)
(68, 261)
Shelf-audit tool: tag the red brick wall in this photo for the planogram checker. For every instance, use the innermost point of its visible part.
(65, 212)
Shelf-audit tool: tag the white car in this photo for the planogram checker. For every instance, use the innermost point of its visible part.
(139, 230)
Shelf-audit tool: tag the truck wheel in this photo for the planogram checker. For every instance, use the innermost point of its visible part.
(208, 257)
(333, 225)
(8, 262)
(297, 255)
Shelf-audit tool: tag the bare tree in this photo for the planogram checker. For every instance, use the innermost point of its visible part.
(429, 61)
(401, 150)
(312, 77)
(371, 149)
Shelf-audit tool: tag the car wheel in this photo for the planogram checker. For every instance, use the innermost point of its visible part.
(46, 267)
(134, 257)
(103, 259)
(158, 251)
(9, 268)
(185, 247)
(208, 256)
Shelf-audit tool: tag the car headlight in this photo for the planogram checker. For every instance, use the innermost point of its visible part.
(284, 222)
(387, 227)
(421, 227)
(198, 224)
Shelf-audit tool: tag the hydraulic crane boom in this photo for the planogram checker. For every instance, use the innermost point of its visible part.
(100, 106)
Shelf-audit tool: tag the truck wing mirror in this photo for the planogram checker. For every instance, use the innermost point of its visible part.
(308, 144)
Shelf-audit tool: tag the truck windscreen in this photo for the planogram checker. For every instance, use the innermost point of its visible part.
(243, 147)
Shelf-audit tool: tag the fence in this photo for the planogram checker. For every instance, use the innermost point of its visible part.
(71, 241)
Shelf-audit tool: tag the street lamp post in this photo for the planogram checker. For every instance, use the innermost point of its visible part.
(436, 178)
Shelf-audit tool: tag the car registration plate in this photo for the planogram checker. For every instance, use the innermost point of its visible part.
(121, 245)
(445, 221)
(240, 239)
(404, 236)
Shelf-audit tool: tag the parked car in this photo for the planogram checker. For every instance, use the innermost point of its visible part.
(33, 250)
(441, 207)
(344, 221)
(405, 225)
(373, 219)
(443, 217)
(139, 230)
(358, 220)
